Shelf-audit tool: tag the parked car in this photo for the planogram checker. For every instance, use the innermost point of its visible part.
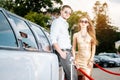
(96, 60)
(107, 61)
(25, 50)
(114, 57)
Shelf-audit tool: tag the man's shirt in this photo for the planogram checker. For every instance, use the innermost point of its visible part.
(59, 33)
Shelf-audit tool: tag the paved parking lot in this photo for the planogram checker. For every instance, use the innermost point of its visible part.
(101, 75)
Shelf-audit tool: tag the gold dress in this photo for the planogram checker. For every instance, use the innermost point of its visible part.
(84, 52)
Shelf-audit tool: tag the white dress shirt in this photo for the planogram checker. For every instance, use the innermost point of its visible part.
(59, 33)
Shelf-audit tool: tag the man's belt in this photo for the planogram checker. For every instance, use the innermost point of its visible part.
(66, 49)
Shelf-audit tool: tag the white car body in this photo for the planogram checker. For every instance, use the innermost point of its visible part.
(20, 63)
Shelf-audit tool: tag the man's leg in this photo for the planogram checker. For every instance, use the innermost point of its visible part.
(66, 63)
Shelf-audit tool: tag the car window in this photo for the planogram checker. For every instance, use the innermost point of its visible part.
(25, 34)
(7, 37)
(42, 39)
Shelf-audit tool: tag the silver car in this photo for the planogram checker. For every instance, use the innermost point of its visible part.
(25, 50)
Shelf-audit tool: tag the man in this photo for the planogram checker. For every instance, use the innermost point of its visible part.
(61, 41)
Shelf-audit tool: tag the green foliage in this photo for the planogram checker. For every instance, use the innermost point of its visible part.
(7, 4)
(38, 18)
(22, 7)
(32, 9)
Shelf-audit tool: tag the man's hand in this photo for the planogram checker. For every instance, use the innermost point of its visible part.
(63, 54)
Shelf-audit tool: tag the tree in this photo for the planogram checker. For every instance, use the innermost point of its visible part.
(33, 10)
(38, 18)
(106, 34)
(7, 4)
(22, 7)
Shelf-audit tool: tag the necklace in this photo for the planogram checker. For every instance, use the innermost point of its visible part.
(84, 36)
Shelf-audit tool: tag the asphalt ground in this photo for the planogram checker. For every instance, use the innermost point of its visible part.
(98, 74)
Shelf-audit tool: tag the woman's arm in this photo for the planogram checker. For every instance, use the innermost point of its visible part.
(74, 45)
(93, 49)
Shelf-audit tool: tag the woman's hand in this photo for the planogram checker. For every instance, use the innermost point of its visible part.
(90, 64)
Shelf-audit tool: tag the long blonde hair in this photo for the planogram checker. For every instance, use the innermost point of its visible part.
(90, 29)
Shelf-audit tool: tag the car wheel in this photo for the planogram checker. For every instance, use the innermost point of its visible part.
(117, 65)
(105, 65)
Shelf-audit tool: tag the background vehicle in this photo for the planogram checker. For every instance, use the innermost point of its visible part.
(114, 58)
(113, 55)
(105, 61)
(108, 59)
(96, 60)
(25, 50)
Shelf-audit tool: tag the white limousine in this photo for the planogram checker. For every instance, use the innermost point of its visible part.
(25, 50)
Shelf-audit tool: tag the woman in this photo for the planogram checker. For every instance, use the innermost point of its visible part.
(85, 40)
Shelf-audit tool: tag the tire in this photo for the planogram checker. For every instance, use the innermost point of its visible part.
(105, 65)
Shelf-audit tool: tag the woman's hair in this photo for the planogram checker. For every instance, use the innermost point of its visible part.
(90, 29)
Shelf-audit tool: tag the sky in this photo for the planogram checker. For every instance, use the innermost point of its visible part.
(87, 6)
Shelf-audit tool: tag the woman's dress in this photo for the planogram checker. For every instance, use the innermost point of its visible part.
(84, 52)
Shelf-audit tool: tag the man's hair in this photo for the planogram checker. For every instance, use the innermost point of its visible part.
(65, 6)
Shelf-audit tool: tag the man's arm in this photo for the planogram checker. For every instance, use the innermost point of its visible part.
(57, 48)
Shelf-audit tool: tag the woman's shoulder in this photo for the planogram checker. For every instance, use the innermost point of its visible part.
(76, 34)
